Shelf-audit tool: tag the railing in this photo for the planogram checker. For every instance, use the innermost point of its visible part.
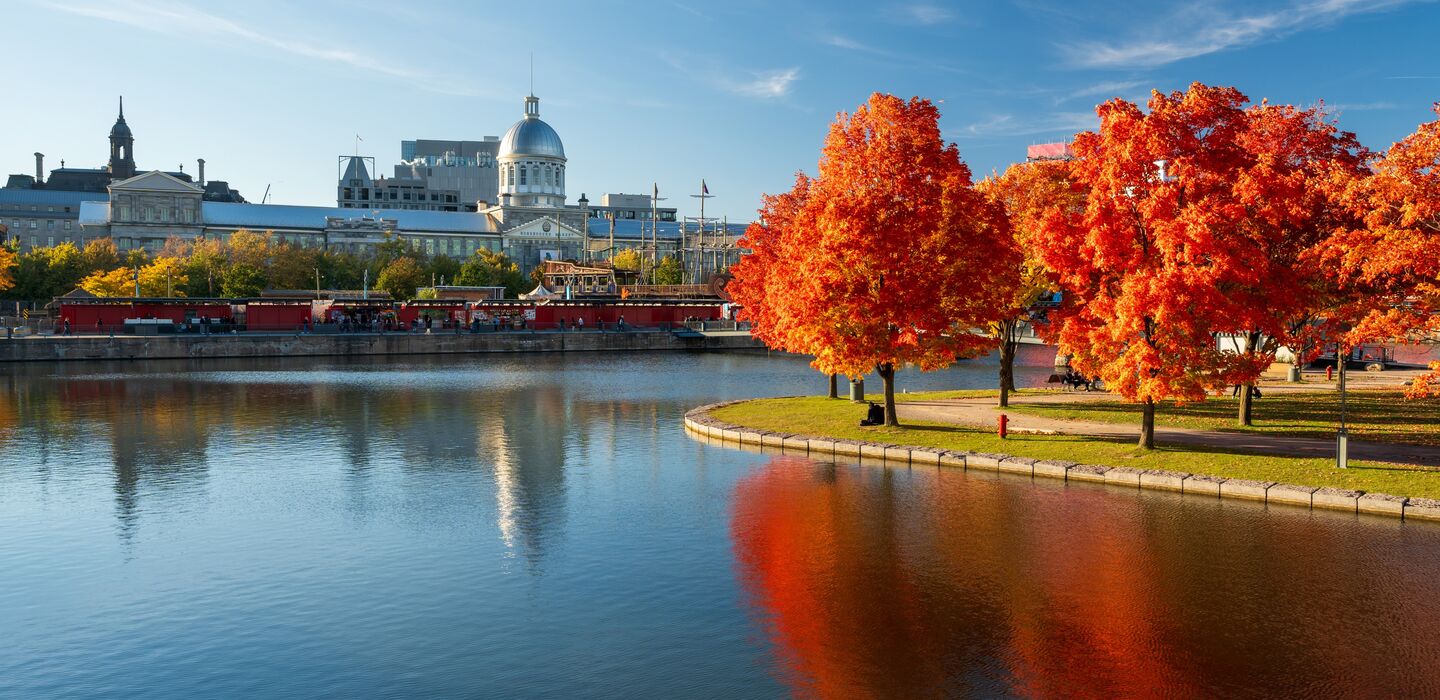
(348, 327)
(718, 325)
(669, 291)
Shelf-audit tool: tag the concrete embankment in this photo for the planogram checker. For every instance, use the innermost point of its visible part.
(701, 423)
(49, 349)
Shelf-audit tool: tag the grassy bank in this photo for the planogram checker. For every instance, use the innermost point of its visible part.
(832, 418)
(1372, 415)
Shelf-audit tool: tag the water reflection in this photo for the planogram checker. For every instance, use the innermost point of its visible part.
(540, 526)
(876, 582)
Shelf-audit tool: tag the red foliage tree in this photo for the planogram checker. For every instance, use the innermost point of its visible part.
(1273, 202)
(1026, 192)
(1391, 263)
(888, 256)
(1151, 267)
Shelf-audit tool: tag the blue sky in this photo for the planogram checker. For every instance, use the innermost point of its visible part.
(739, 93)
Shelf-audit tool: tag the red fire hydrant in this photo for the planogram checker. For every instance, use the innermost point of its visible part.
(1004, 423)
(1329, 373)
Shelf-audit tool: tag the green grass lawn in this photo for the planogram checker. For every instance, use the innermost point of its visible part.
(1374, 415)
(839, 419)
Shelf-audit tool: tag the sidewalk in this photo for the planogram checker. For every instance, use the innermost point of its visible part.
(983, 413)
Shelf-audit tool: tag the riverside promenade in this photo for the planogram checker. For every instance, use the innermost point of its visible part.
(47, 348)
(984, 413)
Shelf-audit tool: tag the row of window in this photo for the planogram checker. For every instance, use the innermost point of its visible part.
(156, 214)
(36, 207)
(34, 224)
(364, 195)
(532, 174)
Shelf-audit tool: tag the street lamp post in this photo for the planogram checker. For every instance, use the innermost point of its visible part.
(1342, 436)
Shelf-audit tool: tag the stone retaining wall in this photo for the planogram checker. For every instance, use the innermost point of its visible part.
(700, 421)
(165, 347)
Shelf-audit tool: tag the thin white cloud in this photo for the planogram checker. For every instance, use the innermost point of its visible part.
(1218, 33)
(179, 20)
(1107, 89)
(1066, 123)
(1339, 107)
(845, 42)
(766, 84)
(924, 14)
(710, 70)
(692, 10)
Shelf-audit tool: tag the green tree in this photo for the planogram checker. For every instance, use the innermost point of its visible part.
(205, 268)
(490, 269)
(293, 267)
(668, 272)
(401, 277)
(44, 273)
(340, 270)
(242, 280)
(444, 269)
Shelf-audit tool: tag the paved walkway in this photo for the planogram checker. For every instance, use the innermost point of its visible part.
(982, 412)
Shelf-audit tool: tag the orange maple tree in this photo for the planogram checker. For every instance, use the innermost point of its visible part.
(1273, 197)
(1393, 259)
(889, 256)
(1150, 268)
(1026, 192)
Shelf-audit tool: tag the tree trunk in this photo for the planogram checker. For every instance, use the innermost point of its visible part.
(1007, 361)
(1147, 425)
(886, 370)
(1247, 402)
(834, 388)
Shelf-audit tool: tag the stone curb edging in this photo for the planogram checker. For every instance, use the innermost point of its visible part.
(700, 421)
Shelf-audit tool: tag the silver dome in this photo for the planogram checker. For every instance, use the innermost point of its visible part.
(531, 136)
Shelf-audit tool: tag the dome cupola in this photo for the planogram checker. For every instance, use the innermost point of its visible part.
(531, 158)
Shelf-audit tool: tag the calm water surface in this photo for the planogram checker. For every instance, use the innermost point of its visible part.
(541, 526)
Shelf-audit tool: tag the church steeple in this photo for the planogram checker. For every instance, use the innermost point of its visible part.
(122, 147)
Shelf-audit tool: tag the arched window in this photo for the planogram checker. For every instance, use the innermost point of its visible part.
(560, 177)
(549, 176)
(535, 173)
(522, 174)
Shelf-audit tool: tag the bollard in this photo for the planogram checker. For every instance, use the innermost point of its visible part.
(1004, 424)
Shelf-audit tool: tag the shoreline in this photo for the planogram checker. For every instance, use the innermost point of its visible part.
(700, 422)
(179, 347)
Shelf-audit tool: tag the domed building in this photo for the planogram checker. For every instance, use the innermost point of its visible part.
(532, 162)
(532, 217)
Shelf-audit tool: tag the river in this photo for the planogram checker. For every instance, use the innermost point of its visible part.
(542, 526)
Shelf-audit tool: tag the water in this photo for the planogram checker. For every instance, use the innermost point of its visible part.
(541, 526)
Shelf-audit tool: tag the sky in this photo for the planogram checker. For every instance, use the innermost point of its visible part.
(739, 93)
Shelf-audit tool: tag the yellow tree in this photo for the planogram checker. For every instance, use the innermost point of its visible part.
(99, 255)
(163, 276)
(1026, 191)
(628, 259)
(250, 248)
(119, 282)
(7, 268)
